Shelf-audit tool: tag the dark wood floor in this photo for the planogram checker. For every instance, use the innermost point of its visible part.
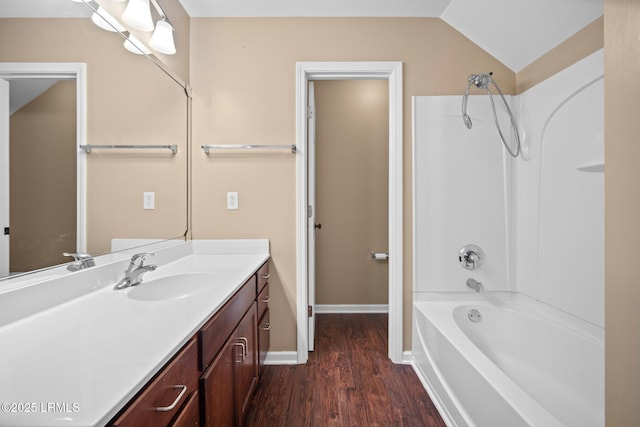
(348, 381)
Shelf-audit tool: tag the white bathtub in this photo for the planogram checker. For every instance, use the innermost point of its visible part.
(523, 364)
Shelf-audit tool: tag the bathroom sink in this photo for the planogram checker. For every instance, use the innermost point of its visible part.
(174, 287)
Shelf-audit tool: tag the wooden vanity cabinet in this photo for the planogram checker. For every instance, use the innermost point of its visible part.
(218, 368)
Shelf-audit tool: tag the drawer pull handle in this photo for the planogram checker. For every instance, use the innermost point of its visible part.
(175, 402)
(267, 326)
(244, 350)
(244, 346)
(265, 300)
(265, 275)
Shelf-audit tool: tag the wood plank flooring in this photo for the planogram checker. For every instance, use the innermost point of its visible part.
(348, 381)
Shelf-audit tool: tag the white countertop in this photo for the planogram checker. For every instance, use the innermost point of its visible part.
(78, 363)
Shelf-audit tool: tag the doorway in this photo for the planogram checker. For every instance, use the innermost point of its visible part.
(351, 195)
(45, 104)
(392, 73)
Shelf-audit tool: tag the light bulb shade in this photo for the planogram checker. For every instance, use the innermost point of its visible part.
(106, 21)
(162, 38)
(138, 15)
(133, 45)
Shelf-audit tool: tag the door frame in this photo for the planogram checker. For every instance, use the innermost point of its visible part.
(65, 70)
(391, 71)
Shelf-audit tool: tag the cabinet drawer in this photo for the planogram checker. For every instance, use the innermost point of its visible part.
(263, 301)
(263, 276)
(164, 397)
(264, 338)
(216, 331)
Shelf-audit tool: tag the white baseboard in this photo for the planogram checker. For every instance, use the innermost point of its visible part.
(407, 358)
(281, 358)
(351, 308)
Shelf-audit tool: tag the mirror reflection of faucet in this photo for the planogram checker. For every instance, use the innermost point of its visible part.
(475, 285)
(81, 262)
(135, 271)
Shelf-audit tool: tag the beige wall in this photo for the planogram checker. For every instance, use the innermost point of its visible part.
(243, 76)
(622, 211)
(576, 47)
(130, 101)
(352, 174)
(43, 179)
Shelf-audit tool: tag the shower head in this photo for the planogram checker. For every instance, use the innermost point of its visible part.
(481, 81)
(467, 121)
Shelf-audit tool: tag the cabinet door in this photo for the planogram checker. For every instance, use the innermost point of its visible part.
(246, 361)
(190, 414)
(216, 387)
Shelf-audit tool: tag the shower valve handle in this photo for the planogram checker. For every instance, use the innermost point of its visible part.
(471, 257)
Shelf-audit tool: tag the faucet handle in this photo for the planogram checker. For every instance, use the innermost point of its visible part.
(77, 256)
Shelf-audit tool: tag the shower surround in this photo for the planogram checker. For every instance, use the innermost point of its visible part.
(540, 222)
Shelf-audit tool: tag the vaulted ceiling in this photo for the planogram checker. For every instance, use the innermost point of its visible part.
(516, 32)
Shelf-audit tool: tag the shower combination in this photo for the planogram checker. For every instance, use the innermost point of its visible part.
(482, 81)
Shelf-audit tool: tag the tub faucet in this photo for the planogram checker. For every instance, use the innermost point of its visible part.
(475, 285)
(81, 262)
(135, 271)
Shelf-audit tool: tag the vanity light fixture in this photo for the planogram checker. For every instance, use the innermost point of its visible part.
(138, 15)
(133, 45)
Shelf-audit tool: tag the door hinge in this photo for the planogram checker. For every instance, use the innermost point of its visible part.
(309, 112)
(309, 211)
(310, 311)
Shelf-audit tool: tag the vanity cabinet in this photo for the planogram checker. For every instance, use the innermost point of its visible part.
(211, 380)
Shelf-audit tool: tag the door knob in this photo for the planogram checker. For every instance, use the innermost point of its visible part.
(318, 226)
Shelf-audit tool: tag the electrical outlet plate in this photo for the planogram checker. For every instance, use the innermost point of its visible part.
(149, 200)
(232, 200)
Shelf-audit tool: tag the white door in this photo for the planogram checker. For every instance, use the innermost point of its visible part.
(311, 221)
(4, 178)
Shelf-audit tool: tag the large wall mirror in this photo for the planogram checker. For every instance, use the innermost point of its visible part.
(60, 198)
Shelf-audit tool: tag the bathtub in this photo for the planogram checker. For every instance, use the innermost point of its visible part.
(520, 363)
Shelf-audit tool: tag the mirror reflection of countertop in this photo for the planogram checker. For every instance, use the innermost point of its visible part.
(79, 362)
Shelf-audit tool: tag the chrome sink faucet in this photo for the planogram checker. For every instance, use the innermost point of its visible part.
(475, 285)
(82, 261)
(135, 271)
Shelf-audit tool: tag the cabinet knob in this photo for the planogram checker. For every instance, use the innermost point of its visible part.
(265, 275)
(266, 326)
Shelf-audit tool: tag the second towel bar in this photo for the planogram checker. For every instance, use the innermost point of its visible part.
(208, 147)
